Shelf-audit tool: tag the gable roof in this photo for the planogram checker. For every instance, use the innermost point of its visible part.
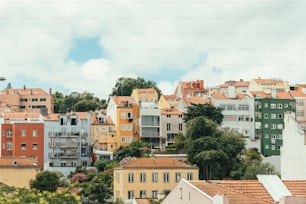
(118, 100)
(196, 100)
(297, 93)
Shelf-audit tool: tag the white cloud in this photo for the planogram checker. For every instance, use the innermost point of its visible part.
(241, 39)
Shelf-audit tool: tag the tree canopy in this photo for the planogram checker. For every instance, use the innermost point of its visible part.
(79, 102)
(125, 85)
(46, 181)
(207, 110)
(215, 152)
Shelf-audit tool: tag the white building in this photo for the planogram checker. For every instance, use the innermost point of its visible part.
(293, 151)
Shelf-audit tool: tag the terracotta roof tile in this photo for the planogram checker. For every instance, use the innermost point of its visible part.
(53, 116)
(296, 187)
(17, 162)
(123, 99)
(283, 95)
(298, 93)
(196, 100)
(218, 96)
(236, 84)
(147, 90)
(20, 115)
(34, 91)
(155, 163)
(276, 81)
(171, 111)
(235, 196)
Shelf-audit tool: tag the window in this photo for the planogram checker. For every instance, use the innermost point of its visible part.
(279, 106)
(273, 126)
(266, 146)
(154, 194)
(123, 139)
(23, 133)
(177, 177)
(280, 126)
(130, 177)
(9, 145)
(142, 177)
(273, 116)
(189, 176)
(154, 177)
(34, 134)
(63, 164)
(23, 146)
(266, 125)
(273, 105)
(9, 133)
(272, 147)
(42, 99)
(130, 115)
(266, 136)
(280, 116)
(123, 127)
(266, 105)
(129, 139)
(34, 146)
(258, 115)
(266, 116)
(166, 177)
(142, 194)
(180, 116)
(286, 105)
(123, 115)
(129, 127)
(73, 121)
(168, 126)
(23, 99)
(180, 127)
(130, 194)
(168, 116)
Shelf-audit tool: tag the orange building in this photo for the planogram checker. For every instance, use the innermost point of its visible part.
(22, 137)
(27, 99)
(124, 111)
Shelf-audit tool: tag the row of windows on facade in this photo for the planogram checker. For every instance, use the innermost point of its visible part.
(104, 129)
(258, 125)
(143, 194)
(32, 99)
(67, 164)
(166, 177)
(33, 106)
(273, 105)
(258, 115)
(237, 118)
(9, 133)
(230, 107)
(272, 147)
(9, 146)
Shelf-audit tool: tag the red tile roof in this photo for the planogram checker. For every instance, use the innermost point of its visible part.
(20, 115)
(235, 196)
(26, 91)
(118, 100)
(283, 95)
(171, 111)
(17, 162)
(296, 187)
(147, 90)
(298, 93)
(155, 163)
(196, 100)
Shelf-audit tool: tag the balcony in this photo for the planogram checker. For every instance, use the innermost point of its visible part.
(69, 145)
(68, 156)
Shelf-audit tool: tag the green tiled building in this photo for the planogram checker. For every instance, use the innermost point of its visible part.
(269, 120)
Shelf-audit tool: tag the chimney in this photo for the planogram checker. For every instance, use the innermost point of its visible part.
(24, 87)
(50, 91)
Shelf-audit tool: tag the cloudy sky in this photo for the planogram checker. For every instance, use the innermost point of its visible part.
(78, 45)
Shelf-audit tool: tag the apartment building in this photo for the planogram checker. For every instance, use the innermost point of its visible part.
(238, 115)
(269, 119)
(67, 141)
(28, 100)
(233, 87)
(22, 135)
(299, 94)
(103, 132)
(149, 119)
(171, 125)
(124, 111)
(267, 85)
(149, 177)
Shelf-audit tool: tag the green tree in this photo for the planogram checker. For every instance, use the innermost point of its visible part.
(207, 110)
(124, 86)
(215, 152)
(45, 181)
(135, 149)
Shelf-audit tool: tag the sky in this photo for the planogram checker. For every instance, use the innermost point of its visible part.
(81, 45)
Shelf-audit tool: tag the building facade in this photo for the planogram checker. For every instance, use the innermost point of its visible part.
(269, 119)
(67, 141)
(150, 177)
(28, 100)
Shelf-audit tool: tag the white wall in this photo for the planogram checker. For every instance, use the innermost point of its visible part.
(293, 151)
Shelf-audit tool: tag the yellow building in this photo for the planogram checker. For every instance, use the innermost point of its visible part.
(103, 133)
(148, 95)
(150, 177)
(124, 111)
(17, 172)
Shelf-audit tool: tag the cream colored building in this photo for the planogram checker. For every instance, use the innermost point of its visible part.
(149, 177)
(17, 172)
